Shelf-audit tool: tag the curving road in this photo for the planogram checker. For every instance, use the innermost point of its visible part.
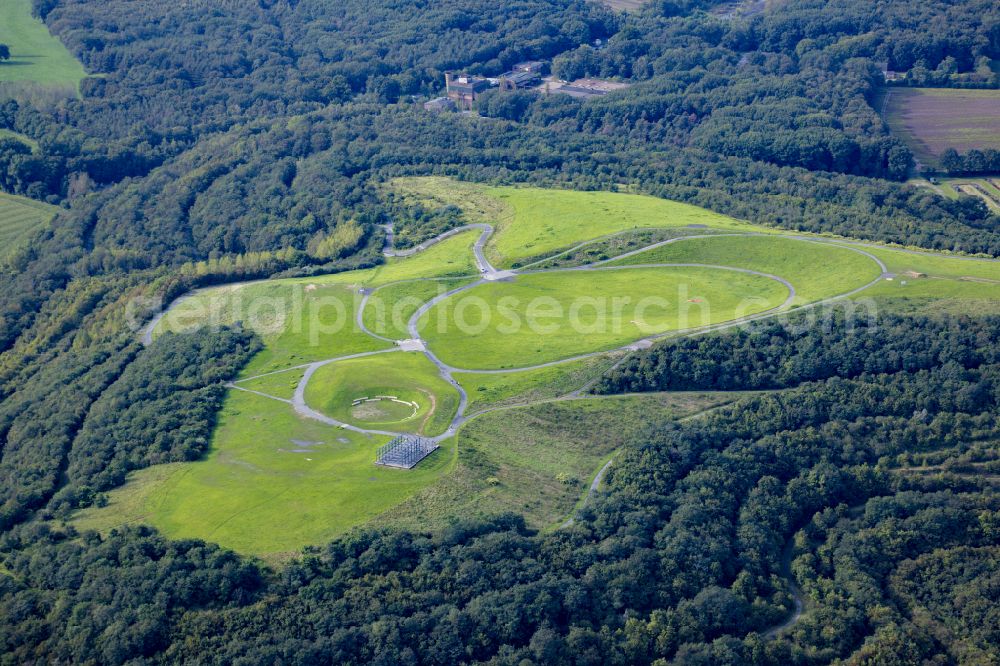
(488, 273)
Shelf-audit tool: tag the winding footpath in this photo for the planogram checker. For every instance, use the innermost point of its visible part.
(489, 273)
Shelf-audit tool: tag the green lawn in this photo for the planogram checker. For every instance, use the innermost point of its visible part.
(936, 265)
(280, 384)
(928, 283)
(36, 56)
(544, 221)
(533, 222)
(816, 270)
(545, 317)
(449, 258)
(19, 217)
(272, 483)
(299, 320)
(408, 376)
(497, 389)
(389, 308)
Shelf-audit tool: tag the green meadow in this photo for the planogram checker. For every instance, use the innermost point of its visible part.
(936, 283)
(532, 222)
(450, 258)
(300, 321)
(544, 221)
(498, 389)
(544, 317)
(280, 384)
(389, 308)
(36, 56)
(272, 483)
(19, 218)
(816, 270)
(275, 481)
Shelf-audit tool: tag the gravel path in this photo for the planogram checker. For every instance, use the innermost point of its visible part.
(488, 273)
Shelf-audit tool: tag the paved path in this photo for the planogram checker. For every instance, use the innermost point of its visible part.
(488, 273)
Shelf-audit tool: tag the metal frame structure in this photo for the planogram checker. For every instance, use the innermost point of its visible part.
(405, 451)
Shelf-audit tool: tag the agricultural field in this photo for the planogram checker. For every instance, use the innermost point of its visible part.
(931, 120)
(19, 217)
(36, 56)
(292, 458)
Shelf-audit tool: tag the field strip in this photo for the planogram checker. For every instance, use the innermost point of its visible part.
(670, 241)
(260, 393)
(625, 232)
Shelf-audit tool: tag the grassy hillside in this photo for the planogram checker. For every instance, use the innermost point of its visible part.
(19, 217)
(428, 402)
(275, 481)
(815, 270)
(546, 317)
(36, 56)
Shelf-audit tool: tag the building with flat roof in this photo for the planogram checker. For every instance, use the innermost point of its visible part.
(529, 66)
(440, 105)
(464, 89)
(519, 79)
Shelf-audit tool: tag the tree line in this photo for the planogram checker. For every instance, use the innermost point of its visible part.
(782, 353)
(682, 558)
(974, 162)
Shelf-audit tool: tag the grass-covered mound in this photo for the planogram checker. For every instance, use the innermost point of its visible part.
(406, 376)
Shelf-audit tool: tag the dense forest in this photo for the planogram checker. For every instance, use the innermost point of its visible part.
(220, 142)
(684, 557)
(782, 353)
